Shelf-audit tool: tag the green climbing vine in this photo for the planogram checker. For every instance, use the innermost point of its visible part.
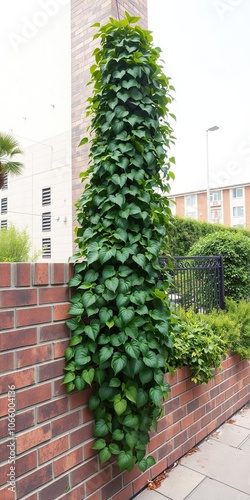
(121, 322)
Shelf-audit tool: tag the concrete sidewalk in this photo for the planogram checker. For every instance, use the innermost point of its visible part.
(218, 470)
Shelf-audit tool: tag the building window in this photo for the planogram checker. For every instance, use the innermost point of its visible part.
(238, 193)
(46, 196)
(215, 198)
(46, 221)
(191, 214)
(216, 215)
(4, 206)
(238, 211)
(5, 181)
(46, 248)
(4, 224)
(191, 200)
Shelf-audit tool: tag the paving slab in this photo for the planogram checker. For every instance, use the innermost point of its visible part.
(246, 447)
(218, 461)
(242, 418)
(231, 434)
(151, 495)
(210, 489)
(180, 482)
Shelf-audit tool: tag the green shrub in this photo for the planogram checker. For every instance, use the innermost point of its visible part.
(122, 325)
(15, 245)
(235, 249)
(184, 232)
(233, 325)
(197, 346)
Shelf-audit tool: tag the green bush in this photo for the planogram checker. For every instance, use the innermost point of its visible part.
(122, 325)
(233, 325)
(197, 346)
(235, 249)
(184, 232)
(15, 245)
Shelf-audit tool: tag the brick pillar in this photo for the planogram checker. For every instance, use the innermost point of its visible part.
(84, 13)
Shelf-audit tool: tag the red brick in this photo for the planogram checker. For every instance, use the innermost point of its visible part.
(34, 480)
(81, 398)
(99, 480)
(171, 379)
(53, 449)
(58, 387)
(56, 489)
(65, 423)
(33, 437)
(41, 275)
(179, 388)
(158, 440)
(34, 395)
(53, 331)
(26, 463)
(51, 370)
(194, 428)
(4, 428)
(22, 274)
(186, 397)
(142, 481)
(33, 316)
(4, 470)
(59, 348)
(5, 274)
(5, 494)
(78, 493)
(53, 295)
(183, 373)
(70, 270)
(173, 456)
(68, 461)
(18, 297)
(18, 338)
(3, 405)
(34, 355)
(61, 312)
(165, 449)
(85, 471)
(57, 274)
(125, 493)
(6, 319)
(111, 488)
(180, 439)
(52, 409)
(7, 361)
(81, 435)
(25, 420)
(20, 378)
(88, 452)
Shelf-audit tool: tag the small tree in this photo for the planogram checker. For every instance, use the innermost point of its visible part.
(9, 149)
(15, 245)
(235, 249)
(121, 326)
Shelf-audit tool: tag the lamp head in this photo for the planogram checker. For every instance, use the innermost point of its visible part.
(212, 129)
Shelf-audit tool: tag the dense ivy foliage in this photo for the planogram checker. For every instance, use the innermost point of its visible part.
(122, 323)
(184, 232)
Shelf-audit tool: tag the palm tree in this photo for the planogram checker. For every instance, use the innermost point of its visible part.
(9, 148)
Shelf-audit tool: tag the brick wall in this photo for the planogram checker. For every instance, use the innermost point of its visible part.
(54, 459)
(83, 15)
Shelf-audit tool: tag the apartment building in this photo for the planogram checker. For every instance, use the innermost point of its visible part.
(229, 205)
(48, 47)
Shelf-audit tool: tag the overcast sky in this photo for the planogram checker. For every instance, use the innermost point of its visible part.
(206, 48)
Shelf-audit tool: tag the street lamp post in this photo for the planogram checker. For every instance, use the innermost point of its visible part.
(211, 129)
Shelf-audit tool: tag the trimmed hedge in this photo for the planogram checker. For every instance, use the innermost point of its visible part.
(184, 232)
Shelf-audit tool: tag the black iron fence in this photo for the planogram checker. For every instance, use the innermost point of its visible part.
(197, 282)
